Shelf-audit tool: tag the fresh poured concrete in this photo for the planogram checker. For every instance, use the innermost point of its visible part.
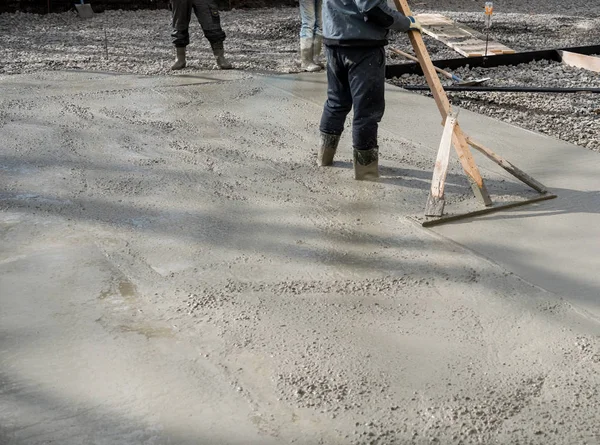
(174, 268)
(555, 244)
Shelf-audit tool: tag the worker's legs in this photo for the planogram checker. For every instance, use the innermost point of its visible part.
(318, 34)
(181, 14)
(318, 24)
(181, 11)
(366, 76)
(210, 20)
(337, 106)
(339, 97)
(310, 16)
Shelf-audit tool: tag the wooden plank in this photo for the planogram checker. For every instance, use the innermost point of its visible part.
(435, 202)
(591, 63)
(458, 138)
(434, 20)
(510, 168)
(470, 167)
(496, 208)
(461, 38)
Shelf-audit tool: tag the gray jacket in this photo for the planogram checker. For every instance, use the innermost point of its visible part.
(360, 22)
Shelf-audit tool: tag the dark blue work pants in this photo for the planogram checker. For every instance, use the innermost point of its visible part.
(207, 14)
(355, 78)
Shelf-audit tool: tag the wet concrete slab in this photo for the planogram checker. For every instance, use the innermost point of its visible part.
(174, 267)
(554, 244)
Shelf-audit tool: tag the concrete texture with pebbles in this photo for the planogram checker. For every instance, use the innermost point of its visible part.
(174, 268)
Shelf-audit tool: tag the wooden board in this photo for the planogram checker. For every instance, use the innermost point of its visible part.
(506, 165)
(458, 138)
(459, 37)
(591, 63)
(435, 203)
(460, 141)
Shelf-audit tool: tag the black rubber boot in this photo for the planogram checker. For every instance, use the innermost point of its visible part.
(222, 62)
(180, 61)
(329, 144)
(366, 164)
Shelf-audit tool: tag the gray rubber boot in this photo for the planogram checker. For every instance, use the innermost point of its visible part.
(306, 56)
(180, 60)
(222, 62)
(329, 144)
(317, 50)
(366, 164)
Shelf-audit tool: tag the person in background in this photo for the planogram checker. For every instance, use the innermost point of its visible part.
(208, 15)
(355, 34)
(311, 35)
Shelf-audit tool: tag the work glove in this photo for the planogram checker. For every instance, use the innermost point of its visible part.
(415, 25)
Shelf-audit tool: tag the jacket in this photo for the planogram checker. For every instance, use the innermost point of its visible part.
(360, 22)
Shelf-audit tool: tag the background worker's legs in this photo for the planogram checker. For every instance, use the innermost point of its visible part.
(310, 16)
(181, 11)
(318, 34)
(210, 20)
(308, 13)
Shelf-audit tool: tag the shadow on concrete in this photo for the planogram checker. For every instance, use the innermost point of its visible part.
(58, 420)
(242, 228)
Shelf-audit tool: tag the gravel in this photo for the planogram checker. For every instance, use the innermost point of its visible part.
(265, 40)
(584, 8)
(574, 118)
(138, 42)
(571, 117)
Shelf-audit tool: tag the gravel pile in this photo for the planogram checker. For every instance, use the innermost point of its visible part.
(139, 42)
(571, 117)
(583, 8)
(265, 40)
(519, 32)
(259, 39)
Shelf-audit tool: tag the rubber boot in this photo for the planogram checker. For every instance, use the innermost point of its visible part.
(329, 144)
(222, 62)
(306, 56)
(317, 49)
(366, 164)
(180, 61)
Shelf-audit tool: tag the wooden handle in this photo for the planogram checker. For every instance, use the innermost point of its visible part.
(414, 59)
(443, 104)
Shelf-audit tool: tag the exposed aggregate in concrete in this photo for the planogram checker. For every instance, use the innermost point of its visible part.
(327, 314)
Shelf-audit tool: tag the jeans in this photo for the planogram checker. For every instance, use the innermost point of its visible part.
(310, 15)
(355, 78)
(207, 14)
